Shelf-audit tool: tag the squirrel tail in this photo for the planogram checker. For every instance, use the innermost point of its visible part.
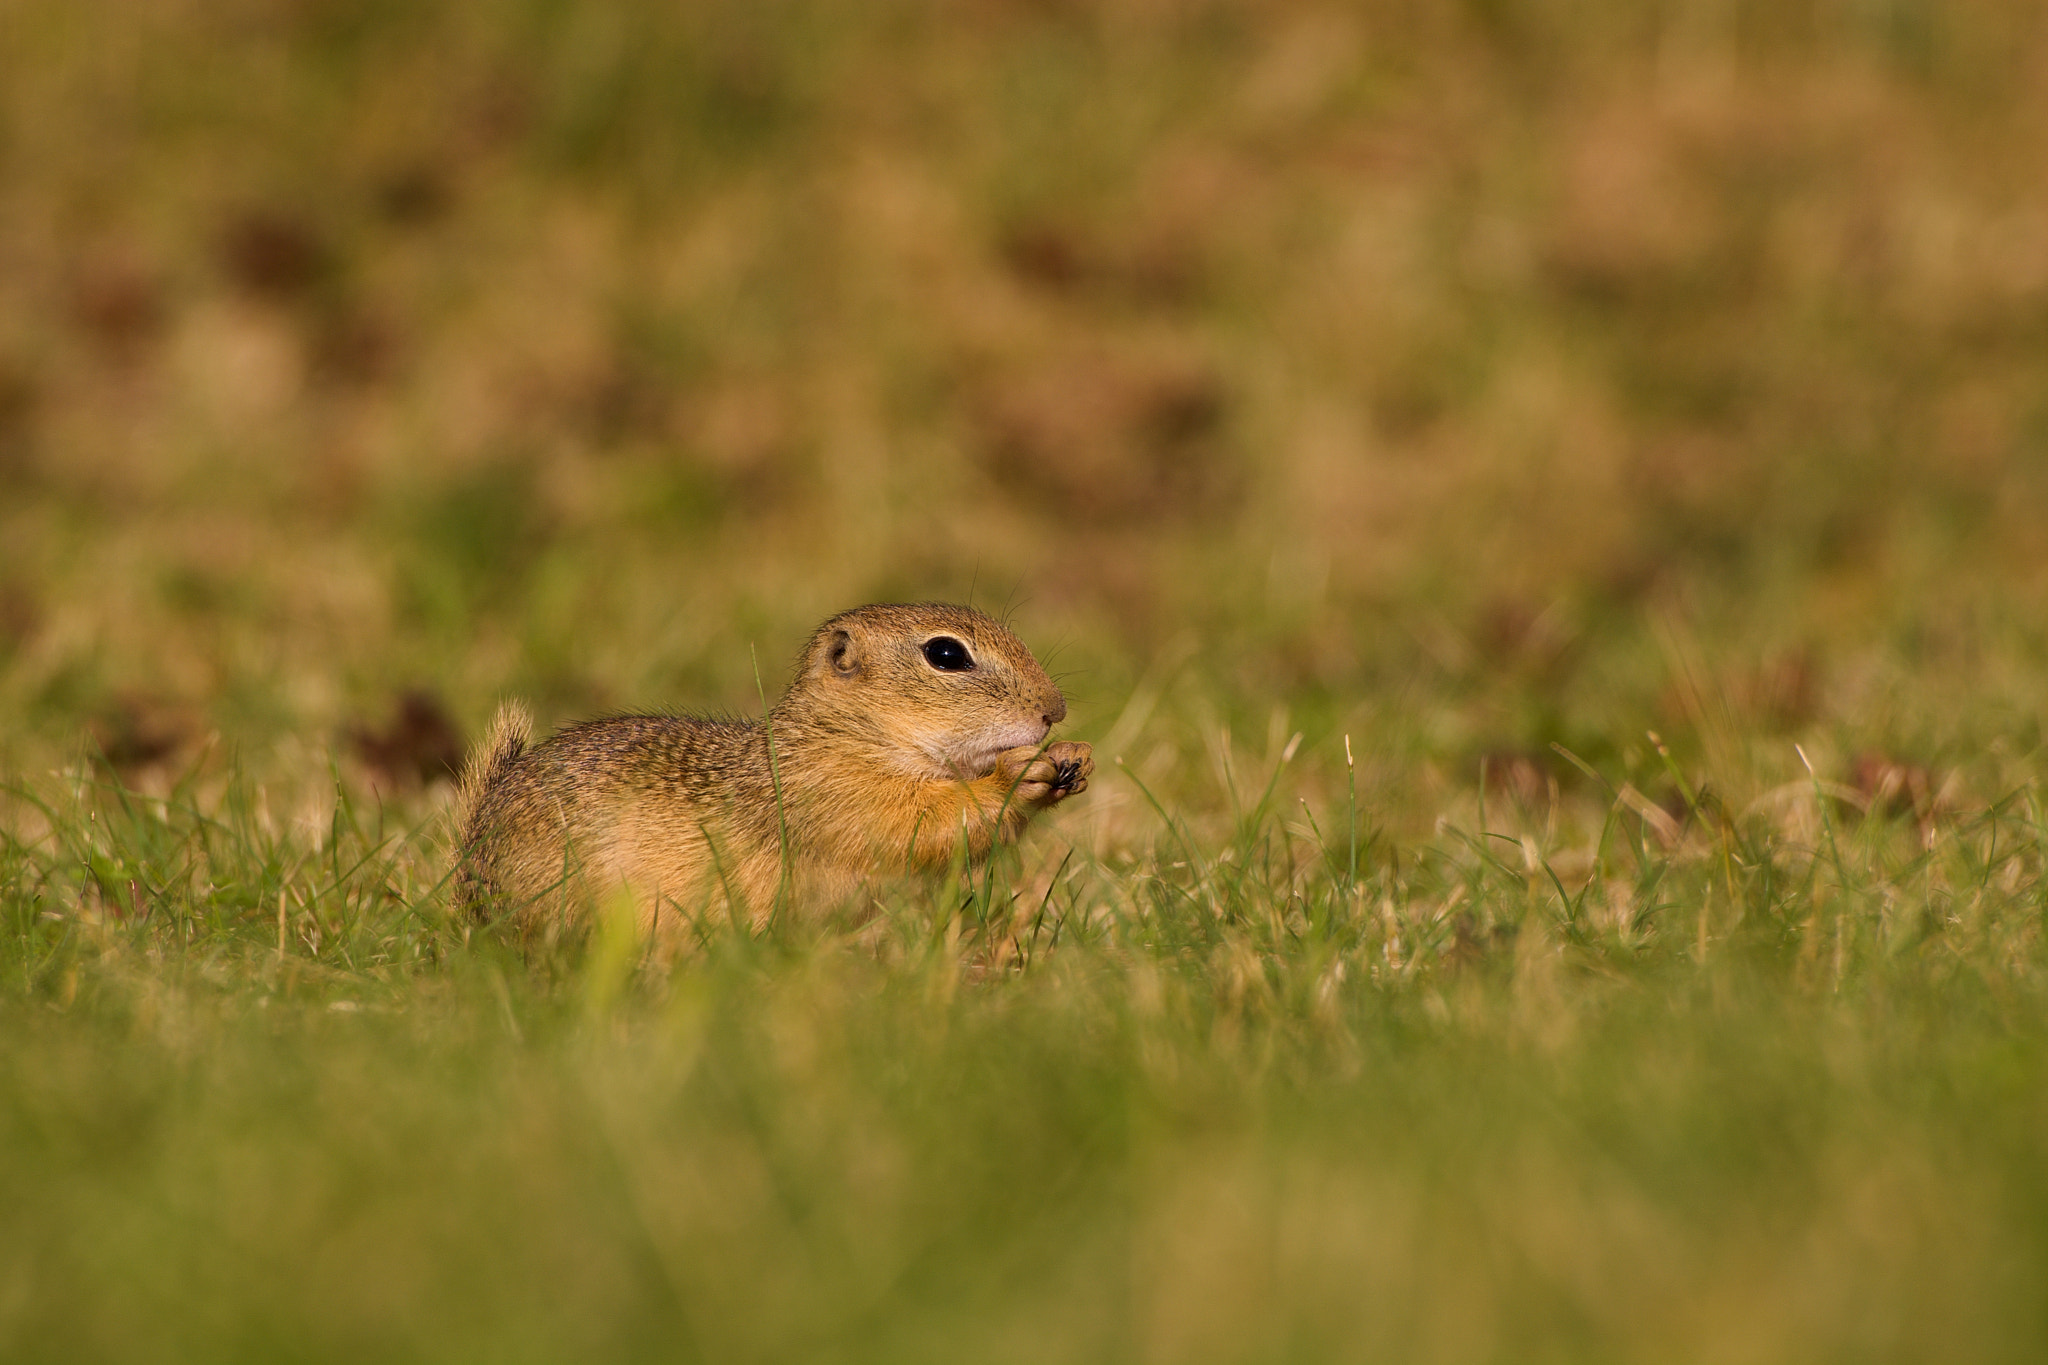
(500, 748)
(493, 757)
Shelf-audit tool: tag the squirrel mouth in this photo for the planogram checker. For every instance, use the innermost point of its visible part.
(981, 760)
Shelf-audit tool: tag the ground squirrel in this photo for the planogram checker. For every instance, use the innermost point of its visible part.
(907, 733)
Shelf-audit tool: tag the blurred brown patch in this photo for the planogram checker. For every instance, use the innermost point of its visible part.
(1110, 439)
(420, 745)
(1516, 634)
(1315, 657)
(118, 303)
(1408, 398)
(272, 254)
(21, 615)
(741, 425)
(1472, 943)
(1113, 575)
(742, 440)
(1160, 268)
(1049, 256)
(1631, 214)
(499, 109)
(1784, 692)
(333, 483)
(415, 195)
(1698, 486)
(1635, 575)
(353, 348)
(19, 400)
(1890, 787)
(626, 402)
(1525, 776)
(135, 731)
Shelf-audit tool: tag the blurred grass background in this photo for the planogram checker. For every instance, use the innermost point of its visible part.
(1465, 379)
(1351, 351)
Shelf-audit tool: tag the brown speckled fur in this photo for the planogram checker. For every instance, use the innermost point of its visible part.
(884, 762)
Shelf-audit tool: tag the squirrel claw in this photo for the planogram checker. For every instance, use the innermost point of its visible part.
(1043, 778)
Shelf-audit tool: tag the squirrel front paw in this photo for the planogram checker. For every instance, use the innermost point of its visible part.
(1048, 776)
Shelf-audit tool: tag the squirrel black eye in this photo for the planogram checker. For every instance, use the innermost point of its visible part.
(947, 654)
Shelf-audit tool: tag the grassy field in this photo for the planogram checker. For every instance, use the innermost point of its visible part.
(1538, 508)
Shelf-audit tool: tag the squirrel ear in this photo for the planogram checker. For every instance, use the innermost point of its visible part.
(845, 657)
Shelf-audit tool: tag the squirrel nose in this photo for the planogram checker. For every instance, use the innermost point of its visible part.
(1057, 711)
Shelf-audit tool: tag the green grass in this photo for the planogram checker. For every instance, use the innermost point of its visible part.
(1576, 1095)
(1475, 390)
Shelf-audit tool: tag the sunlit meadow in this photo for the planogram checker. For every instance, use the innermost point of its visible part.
(1537, 507)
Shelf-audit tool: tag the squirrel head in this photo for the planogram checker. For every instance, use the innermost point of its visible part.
(943, 689)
